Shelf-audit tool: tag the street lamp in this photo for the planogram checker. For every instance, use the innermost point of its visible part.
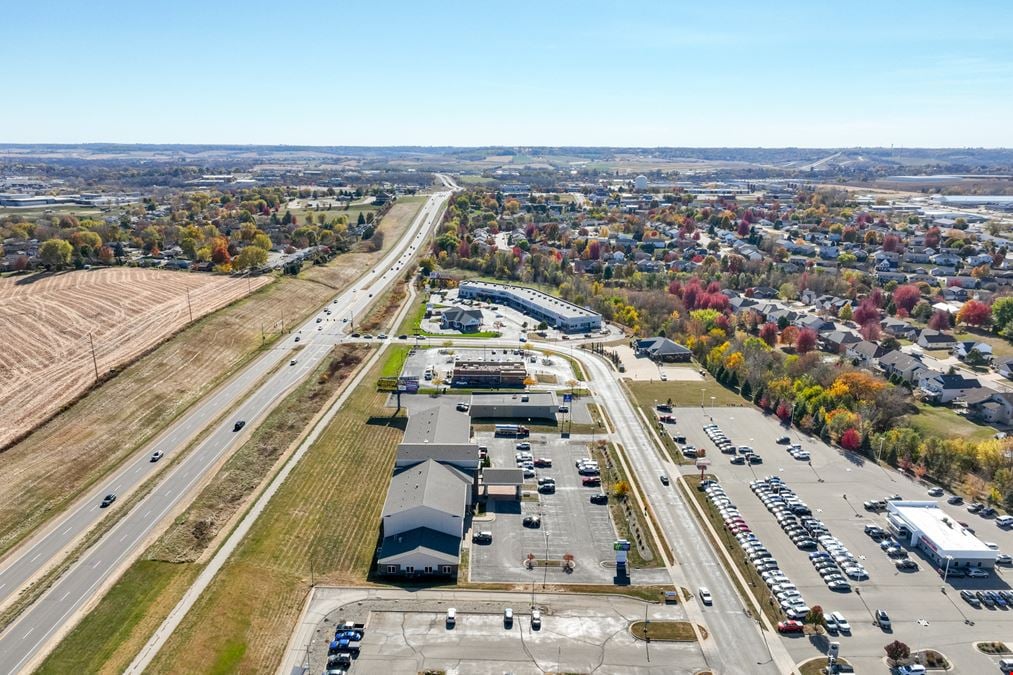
(949, 559)
(701, 397)
(545, 562)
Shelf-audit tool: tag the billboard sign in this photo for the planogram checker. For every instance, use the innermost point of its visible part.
(567, 398)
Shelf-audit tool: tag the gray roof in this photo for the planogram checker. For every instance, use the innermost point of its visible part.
(432, 542)
(540, 399)
(502, 476)
(661, 346)
(441, 424)
(458, 314)
(428, 484)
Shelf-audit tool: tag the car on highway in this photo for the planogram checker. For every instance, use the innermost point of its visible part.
(107, 500)
(296, 338)
(238, 425)
(292, 362)
(157, 455)
(705, 596)
(664, 479)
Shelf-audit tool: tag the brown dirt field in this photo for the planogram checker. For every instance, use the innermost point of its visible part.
(46, 471)
(46, 359)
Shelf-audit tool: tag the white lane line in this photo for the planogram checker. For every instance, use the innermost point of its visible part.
(37, 556)
(68, 530)
(64, 596)
(28, 633)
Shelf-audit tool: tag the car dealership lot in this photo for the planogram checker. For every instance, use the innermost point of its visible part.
(834, 486)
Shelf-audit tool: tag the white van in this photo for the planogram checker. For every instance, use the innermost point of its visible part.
(1004, 521)
(1006, 665)
(451, 616)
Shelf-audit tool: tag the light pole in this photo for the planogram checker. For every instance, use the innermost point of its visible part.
(545, 565)
(949, 559)
(701, 397)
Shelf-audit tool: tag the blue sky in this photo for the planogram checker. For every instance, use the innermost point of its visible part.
(509, 73)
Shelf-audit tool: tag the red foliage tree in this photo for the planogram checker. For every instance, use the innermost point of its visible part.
(866, 312)
(975, 313)
(851, 439)
(870, 331)
(783, 411)
(789, 335)
(906, 297)
(220, 251)
(768, 333)
(743, 229)
(940, 320)
(891, 242)
(806, 341)
(932, 237)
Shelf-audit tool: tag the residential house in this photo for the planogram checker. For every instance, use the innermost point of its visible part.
(837, 341)
(1005, 368)
(898, 328)
(964, 349)
(993, 407)
(934, 339)
(816, 323)
(901, 365)
(865, 352)
(945, 387)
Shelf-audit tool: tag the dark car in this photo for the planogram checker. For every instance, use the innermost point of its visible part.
(664, 479)
(238, 425)
(738, 459)
(784, 440)
(955, 500)
(600, 499)
(107, 500)
(988, 512)
(755, 459)
(591, 481)
(532, 521)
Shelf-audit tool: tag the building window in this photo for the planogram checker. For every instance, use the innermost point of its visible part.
(429, 570)
(446, 569)
(392, 569)
(409, 569)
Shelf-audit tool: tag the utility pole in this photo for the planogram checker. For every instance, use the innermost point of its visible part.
(189, 309)
(94, 361)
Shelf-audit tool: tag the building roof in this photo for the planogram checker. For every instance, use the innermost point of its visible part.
(459, 314)
(944, 531)
(441, 424)
(556, 305)
(492, 476)
(534, 400)
(440, 545)
(429, 484)
(930, 335)
(661, 346)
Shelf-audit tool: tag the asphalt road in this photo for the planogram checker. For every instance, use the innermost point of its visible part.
(30, 635)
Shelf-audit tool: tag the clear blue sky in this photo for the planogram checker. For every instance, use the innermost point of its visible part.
(512, 73)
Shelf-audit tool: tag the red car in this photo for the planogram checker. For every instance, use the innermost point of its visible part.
(789, 626)
(592, 481)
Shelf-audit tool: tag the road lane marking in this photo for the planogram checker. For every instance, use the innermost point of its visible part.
(37, 556)
(27, 634)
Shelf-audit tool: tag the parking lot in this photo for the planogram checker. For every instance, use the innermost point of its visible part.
(570, 523)
(834, 484)
(550, 371)
(408, 633)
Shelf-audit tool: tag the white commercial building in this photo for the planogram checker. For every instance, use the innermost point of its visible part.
(558, 313)
(942, 538)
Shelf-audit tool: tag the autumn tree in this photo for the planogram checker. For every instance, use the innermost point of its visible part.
(55, 253)
(851, 439)
(897, 650)
(251, 257)
(768, 333)
(905, 297)
(846, 313)
(789, 335)
(806, 341)
(940, 320)
(220, 251)
(975, 313)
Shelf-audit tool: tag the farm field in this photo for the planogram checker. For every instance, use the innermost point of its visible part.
(45, 325)
(323, 522)
(49, 469)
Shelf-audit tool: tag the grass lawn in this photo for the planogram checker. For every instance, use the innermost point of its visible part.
(394, 362)
(685, 394)
(619, 507)
(816, 666)
(1001, 347)
(669, 631)
(112, 633)
(944, 422)
(324, 522)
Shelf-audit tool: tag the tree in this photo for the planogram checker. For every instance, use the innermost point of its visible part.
(251, 257)
(906, 297)
(55, 253)
(806, 341)
(789, 334)
(815, 616)
(1002, 312)
(870, 331)
(897, 650)
(220, 251)
(851, 439)
(866, 312)
(975, 313)
(845, 314)
(768, 333)
(940, 320)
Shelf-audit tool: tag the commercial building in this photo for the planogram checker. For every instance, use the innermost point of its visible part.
(514, 406)
(491, 374)
(943, 539)
(435, 481)
(559, 314)
(662, 349)
(464, 320)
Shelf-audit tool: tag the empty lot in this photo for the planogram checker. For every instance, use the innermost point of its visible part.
(45, 325)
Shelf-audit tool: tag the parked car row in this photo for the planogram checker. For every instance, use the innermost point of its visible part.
(344, 647)
(892, 548)
(835, 563)
(796, 451)
(719, 439)
(989, 599)
(785, 593)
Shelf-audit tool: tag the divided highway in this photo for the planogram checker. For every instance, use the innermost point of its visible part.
(31, 635)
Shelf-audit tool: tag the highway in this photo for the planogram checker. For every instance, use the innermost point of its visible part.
(29, 637)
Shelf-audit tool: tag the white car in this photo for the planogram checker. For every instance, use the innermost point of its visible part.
(705, 596)
(842, 623)
(157, 455)
(977, 573)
